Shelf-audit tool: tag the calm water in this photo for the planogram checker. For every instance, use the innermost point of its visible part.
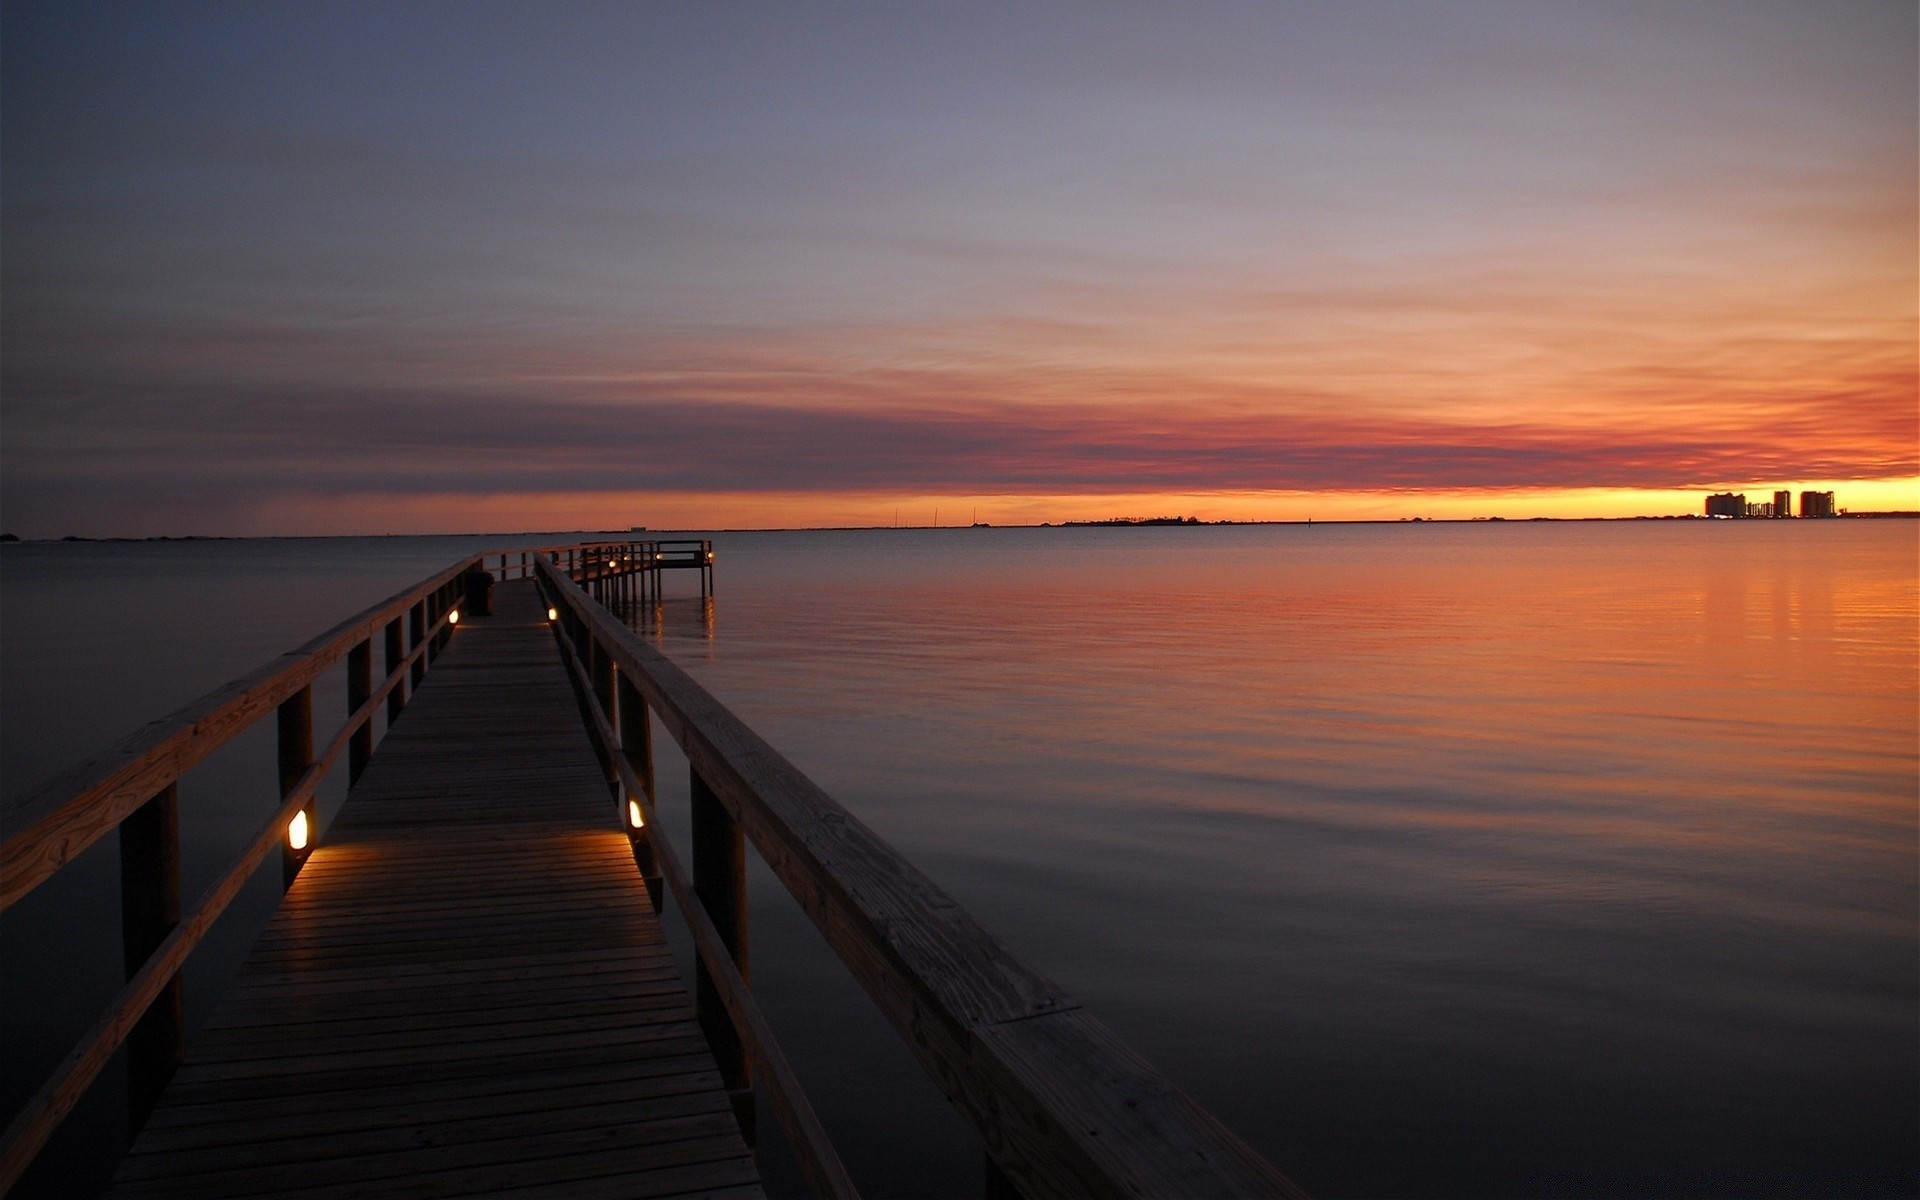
(1490, 859)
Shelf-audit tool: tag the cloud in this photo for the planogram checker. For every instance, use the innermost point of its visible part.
(186, 446)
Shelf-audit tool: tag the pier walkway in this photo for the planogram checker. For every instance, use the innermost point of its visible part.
(466, 988)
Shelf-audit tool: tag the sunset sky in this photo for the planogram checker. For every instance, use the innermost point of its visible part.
(366, 268)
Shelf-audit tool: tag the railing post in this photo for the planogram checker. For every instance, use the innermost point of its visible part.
(359, 690)
(149, 910)
(396, 654)
(636, 743)
(296, 755)
(600, 672)
(417, 633)
(436, 607)
(720, 881)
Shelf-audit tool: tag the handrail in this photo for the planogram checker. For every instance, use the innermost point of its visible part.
(1061, 1105)
(36, 1121)
(625, 568)
(818, 1160)
(136, 778)
(48, 829)
(42, 832)
(635, 545)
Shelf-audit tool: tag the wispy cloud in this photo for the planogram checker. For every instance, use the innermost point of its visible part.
(402, 443)
(274, 252)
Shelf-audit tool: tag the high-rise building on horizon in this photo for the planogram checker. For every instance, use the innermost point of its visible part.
(1734, 504)
(1816, 504)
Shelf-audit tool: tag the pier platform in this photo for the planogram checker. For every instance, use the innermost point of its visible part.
(466, 988)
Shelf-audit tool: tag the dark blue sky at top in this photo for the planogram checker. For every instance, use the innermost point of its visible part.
(898, 210)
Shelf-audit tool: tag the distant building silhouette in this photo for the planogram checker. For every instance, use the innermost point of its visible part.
(1816, 504)
(1734, 504)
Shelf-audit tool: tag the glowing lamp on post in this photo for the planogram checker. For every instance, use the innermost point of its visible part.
(453, 616)
(298, 831)
(634, 819)
(553, 614)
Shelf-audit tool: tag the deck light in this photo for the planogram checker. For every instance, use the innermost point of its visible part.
(297, 830)
(633, 814)
(453, 616)
(553, 614)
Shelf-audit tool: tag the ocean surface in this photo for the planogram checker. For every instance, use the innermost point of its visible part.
(1506, 858)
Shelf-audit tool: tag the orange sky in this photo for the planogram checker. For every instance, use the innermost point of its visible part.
(595, 269)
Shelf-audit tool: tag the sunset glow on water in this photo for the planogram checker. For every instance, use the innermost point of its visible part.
(1435, 859)
(1451, 860)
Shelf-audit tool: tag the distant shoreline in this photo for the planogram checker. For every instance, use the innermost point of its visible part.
(1111, 523)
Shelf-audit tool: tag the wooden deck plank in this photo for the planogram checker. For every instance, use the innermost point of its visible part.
(277, 1145)
(467, 1073)
(566, 1091)
(286, 1006)
(466, 989)
(648, 1156)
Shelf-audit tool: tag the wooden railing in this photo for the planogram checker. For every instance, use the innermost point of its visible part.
(133, 787)
(631, 569)
(1062, 1107)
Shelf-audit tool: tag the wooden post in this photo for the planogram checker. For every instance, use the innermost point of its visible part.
(149, 910)
(720, 881)
(436, 608)
(417, 633)
(636, 743)
(600, 671)
(296, 755)
(359, 689)
(396, 654)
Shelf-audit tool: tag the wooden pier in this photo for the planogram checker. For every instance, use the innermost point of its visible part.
(629, 571)
(466, 988)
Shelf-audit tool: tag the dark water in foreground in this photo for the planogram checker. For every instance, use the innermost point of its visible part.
(1513, 859)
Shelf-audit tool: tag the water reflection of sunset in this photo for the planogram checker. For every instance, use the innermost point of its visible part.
(1626, 808)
